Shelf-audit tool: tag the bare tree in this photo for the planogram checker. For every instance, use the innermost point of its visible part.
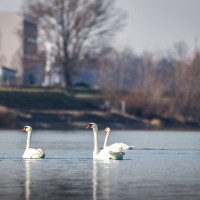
(76, 28)
(153, 87)
(191, 93)
(185, 93)
(2, 57)
(180, 50)
(195, 89)
(115, 75)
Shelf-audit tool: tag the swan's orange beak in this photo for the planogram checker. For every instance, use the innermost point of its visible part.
(105, 131)
(88, 126)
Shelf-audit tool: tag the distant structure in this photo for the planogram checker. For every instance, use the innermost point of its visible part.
(21, 62)
(7, 76)
(47, 75)
(33, 62)
(86, 77)
(19, 48)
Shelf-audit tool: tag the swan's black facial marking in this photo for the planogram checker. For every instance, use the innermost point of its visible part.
(89, 125)
(25, 128)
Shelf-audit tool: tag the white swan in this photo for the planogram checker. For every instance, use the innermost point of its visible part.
(121, 146)
(29, 152)
(106, 153)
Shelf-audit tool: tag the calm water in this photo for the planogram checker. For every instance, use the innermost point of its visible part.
(164, 165)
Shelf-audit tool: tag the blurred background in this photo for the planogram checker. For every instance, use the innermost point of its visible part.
(130, 64)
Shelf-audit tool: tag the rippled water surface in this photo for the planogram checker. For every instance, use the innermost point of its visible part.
(164, 165)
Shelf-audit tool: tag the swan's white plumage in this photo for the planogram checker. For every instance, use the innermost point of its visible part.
(106, 153)
(33, 153)
(121, 146)
(30, 152)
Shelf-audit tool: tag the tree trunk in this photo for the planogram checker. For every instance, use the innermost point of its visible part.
(67, 73)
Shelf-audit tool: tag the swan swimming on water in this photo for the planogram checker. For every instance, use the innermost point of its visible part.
(29, 152)
(121, 146)
(106, 153)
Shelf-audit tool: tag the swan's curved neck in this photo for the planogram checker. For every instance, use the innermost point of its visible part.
(28, 139)
(96, 148)
(106, 139)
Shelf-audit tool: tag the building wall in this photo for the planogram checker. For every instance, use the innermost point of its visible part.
(10, 41)
(30, 53)
(7, 76)
(19, 48)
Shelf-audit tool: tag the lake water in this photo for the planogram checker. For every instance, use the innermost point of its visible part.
(164, 165)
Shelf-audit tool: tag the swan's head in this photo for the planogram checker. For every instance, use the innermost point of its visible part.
(91, 125)
(27, 128)
(107, 130)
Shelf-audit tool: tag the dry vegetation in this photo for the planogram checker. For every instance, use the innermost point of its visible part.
(7, 117)
(167, 87)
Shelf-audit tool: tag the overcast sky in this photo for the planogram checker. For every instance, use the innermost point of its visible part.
(152, 25)
(158, 24)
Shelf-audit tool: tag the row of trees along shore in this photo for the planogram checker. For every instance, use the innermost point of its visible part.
(165, 86)
(80, 32)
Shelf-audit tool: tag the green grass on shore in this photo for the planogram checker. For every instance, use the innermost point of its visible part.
(51, 108)
(39, 98)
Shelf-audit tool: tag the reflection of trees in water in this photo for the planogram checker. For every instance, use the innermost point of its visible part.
(94, 182)
(47, 183)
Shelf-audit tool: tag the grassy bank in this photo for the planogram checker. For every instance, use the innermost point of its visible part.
(50, 108)
(59, 109)
(39, 98)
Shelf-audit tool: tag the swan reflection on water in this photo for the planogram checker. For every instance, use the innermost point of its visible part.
(101, 171)
(94, 180)
(27, 164)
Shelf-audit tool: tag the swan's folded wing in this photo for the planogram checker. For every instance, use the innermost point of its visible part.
(38, 155)
(40, 150)
(126, 147)
(33, 153)
(120, 146)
